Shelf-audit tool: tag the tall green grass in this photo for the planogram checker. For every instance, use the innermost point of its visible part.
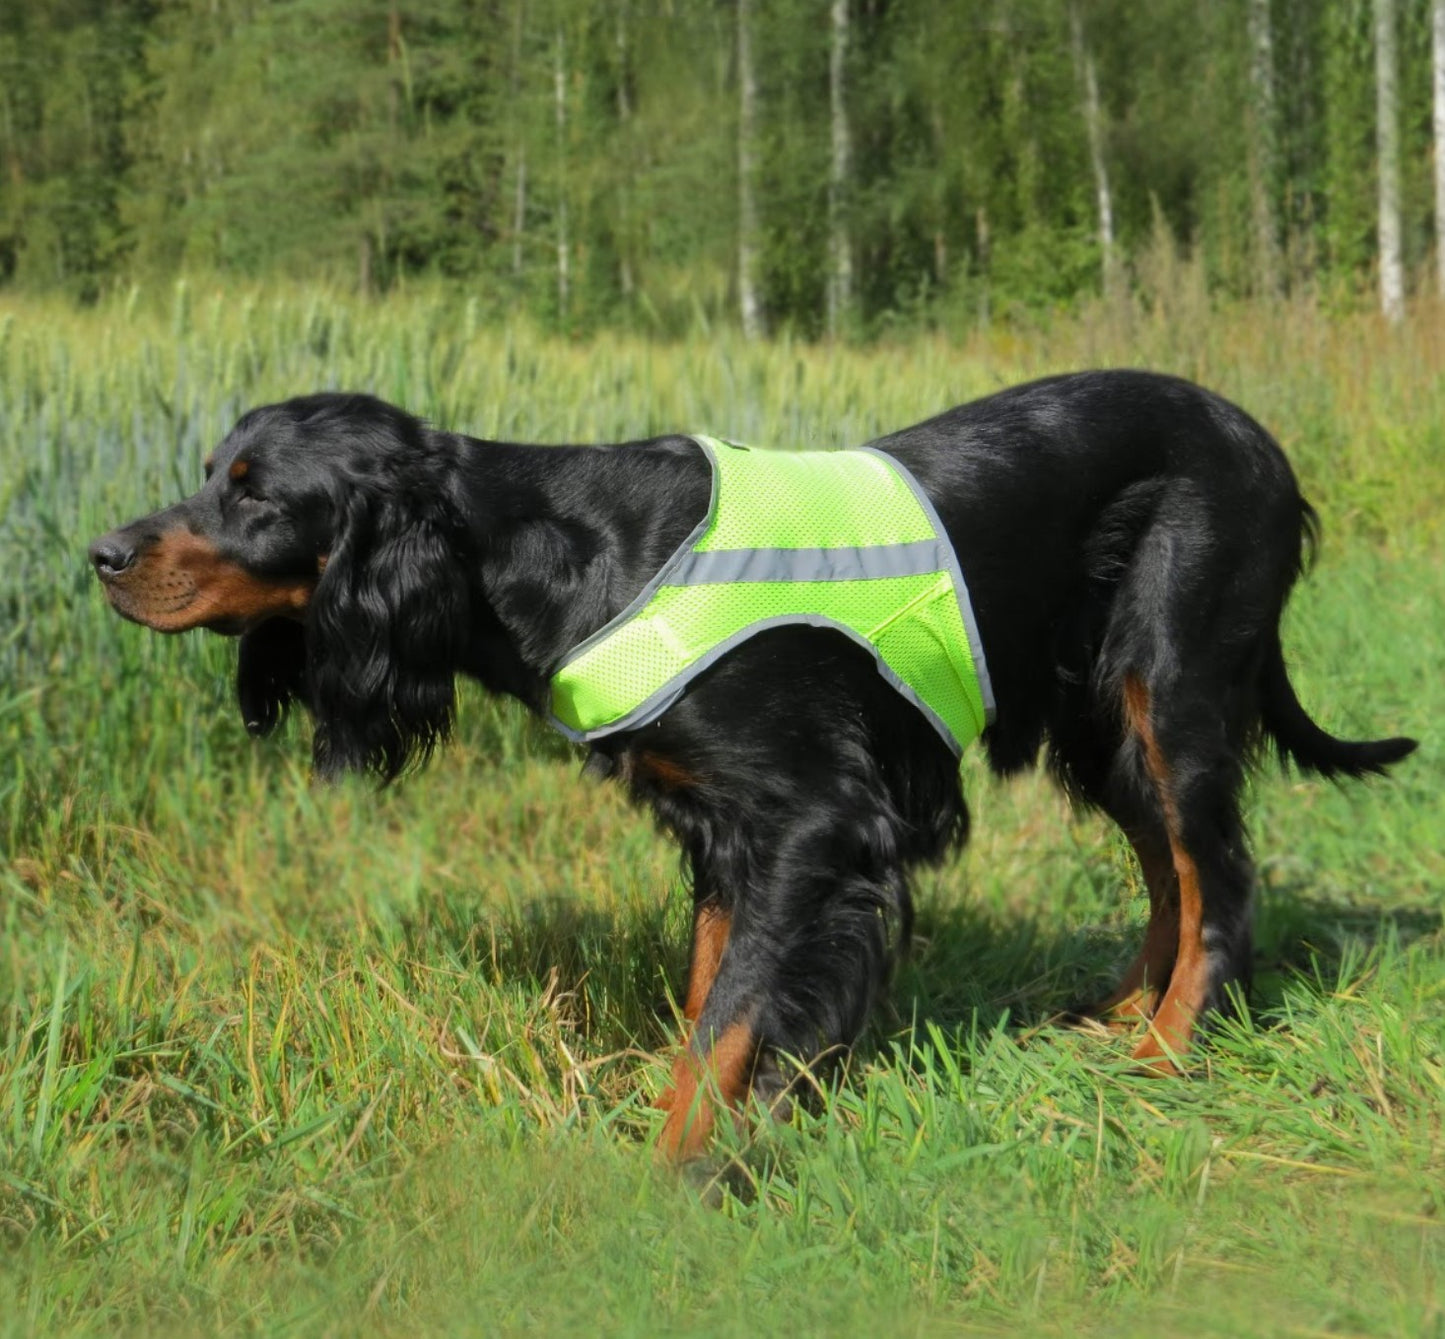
(278, 1056)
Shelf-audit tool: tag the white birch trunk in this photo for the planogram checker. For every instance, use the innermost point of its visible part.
(1387, 133)
(624, 118)
(749, 307)
(985, 259)
(519, 204)
(1264, 149)
(1437, 55)
(519, 212)
(563, 257)
(840, 269)
(1093, 127)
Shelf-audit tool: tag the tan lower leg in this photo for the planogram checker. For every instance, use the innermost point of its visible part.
(1146, 978)
(711, 926)
(1172, 1025)
(710, 929)
(704, 1087)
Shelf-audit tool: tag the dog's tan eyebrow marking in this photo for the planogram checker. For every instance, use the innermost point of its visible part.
(238, 469)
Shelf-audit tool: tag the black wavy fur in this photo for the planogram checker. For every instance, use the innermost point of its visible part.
(1112, 526)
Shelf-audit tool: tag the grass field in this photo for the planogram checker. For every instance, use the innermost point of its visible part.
(276, 1057)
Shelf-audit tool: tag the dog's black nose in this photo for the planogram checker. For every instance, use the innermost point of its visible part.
(111, 556)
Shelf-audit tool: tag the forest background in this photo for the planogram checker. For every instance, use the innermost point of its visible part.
(839, 166)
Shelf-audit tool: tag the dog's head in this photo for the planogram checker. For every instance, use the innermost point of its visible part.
(323, 539)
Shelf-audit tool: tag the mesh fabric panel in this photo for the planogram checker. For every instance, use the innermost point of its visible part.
(810, 500)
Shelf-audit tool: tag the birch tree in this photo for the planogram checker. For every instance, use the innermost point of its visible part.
(624, 121)
(1387, 139)
(840, 269)
(559, 75)
(1437, 60)
(518, 144)
(1093, 126)
(1264, 149)
(748, 305)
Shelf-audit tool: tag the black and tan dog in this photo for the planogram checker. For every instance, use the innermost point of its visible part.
(1128, 542)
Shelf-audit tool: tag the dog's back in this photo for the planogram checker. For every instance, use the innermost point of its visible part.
(1085, 509)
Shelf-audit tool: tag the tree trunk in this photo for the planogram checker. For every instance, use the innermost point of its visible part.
(1264, 150)
(393, 58)
(984, 263)
(563, 255)
(14, 168)
(840, 269)
(1437, 53)
(624, 118)
(748, 305)
(1093, 126)
(519, 141)
(519, 212)
(1387, 134)
(363, 270)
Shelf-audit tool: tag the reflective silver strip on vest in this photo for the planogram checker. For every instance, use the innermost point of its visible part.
(873, 563)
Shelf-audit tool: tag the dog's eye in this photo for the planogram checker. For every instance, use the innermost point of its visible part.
(249, 498)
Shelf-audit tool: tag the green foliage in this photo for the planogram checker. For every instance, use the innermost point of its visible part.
(68, 77)
(275, 1055)
(1350, 111)
(579, 159)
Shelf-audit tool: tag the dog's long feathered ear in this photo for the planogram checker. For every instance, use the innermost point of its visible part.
(383, 635)
(270, 673)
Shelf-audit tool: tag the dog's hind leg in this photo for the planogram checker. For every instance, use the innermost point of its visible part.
(1195, 773)
(1177, 675)
(1145, 980)
(1099, 763)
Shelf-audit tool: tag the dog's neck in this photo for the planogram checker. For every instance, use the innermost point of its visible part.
(566, 537)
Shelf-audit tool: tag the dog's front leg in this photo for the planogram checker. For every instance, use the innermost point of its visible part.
(714, 1071)
(805, 952)
(711, 924)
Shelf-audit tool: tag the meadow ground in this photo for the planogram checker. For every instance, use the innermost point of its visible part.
(276, 1057)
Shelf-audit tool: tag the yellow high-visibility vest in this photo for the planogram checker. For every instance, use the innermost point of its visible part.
(833, 539)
